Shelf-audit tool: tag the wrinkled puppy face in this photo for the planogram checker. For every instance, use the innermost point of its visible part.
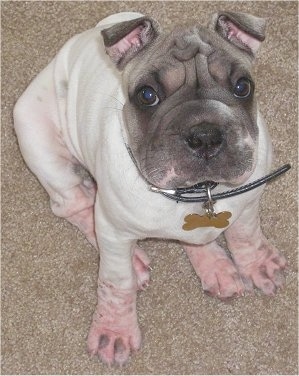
(191, 115)
(190, 112)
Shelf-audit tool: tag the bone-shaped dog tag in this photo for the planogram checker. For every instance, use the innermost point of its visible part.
(193, 221)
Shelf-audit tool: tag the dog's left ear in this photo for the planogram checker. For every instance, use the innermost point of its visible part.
(125, 39)
(241, 29)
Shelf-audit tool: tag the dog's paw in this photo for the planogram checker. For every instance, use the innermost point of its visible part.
(142, 269)
(222, 280)
(262, 268)
(113, 346)
(114, 331)
(218, 274)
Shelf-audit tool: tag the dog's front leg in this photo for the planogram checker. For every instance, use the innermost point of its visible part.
(114, 331)
(259, 262)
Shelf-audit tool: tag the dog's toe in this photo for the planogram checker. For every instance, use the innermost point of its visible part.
(224, 283)
(114, 332)
(265, 269)
(142, 268)
(113, 348)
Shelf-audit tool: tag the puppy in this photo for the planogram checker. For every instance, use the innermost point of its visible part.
(124, 118)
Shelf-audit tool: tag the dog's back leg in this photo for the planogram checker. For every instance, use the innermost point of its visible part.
(36, 122)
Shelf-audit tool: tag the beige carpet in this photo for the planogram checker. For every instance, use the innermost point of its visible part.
(49, 271)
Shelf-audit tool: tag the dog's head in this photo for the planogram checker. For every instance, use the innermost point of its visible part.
(190, 112)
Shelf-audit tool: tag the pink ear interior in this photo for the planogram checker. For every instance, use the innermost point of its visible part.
(242, 36)
(130, 40)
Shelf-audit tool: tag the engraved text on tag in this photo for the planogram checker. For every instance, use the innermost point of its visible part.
(193, 221)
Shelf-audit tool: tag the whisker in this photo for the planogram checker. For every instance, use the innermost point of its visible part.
(113, 108)
(116, 99)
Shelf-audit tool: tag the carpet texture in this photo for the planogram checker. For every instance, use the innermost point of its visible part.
(49, 271)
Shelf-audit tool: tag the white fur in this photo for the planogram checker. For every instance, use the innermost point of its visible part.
(89, 120)
(72, 112)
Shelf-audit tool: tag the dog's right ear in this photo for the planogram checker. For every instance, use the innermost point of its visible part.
(125, 39)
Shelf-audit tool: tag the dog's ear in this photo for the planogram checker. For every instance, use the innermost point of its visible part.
(243, 30)
(125, 39)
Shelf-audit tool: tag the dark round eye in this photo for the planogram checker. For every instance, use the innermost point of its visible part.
(147, 96)
(242, 88)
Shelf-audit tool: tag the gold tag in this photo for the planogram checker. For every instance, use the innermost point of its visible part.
(194, 221)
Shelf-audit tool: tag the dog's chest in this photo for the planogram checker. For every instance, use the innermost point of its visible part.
(153, 215)
(190, 222)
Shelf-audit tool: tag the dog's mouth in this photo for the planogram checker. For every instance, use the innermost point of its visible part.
(187, 180)
(188, 183)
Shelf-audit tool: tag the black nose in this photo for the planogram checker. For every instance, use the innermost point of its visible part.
(206, 139)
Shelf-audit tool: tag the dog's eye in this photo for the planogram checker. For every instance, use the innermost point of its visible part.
(242, 88)
(148, 97)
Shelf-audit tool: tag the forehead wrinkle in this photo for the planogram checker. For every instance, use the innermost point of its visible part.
(189, 44)
(220, 67)
(172, 77)
(203, 75)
